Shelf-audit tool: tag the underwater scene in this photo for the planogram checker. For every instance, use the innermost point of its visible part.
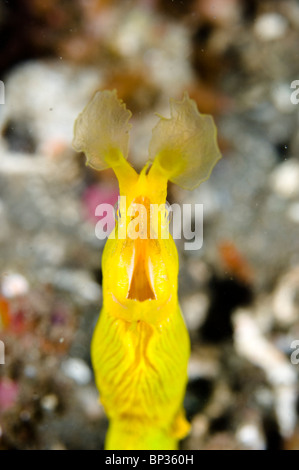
(149, 225)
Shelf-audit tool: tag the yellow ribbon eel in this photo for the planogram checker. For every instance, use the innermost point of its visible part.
(140, 347)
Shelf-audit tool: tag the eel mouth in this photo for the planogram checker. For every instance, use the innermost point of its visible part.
(141, 280)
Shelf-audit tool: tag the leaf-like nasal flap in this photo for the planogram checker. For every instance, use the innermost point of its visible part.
(102, 130)
(184, 147)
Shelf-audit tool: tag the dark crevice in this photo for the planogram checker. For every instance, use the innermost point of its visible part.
(273, 438)
(226, 295)
(197, 396)
(98, 275)
(19, 137)
(221, 423)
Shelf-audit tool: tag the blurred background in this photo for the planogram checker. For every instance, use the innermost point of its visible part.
(239, 292)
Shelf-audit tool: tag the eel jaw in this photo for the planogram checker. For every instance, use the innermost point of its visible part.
(141, 279)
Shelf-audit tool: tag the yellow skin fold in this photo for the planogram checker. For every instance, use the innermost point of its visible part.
(140, 347)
